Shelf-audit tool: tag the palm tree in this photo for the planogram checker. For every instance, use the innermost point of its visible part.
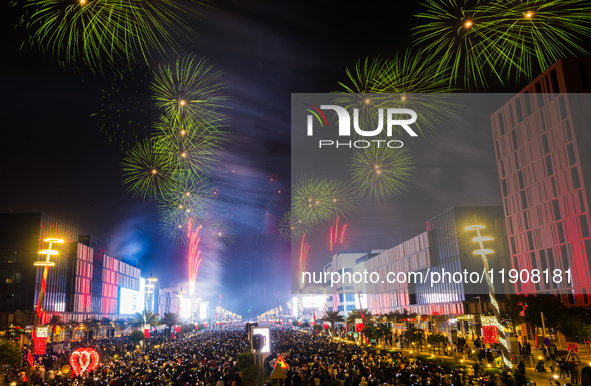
(54, 321)
(22, 319)
(355, 314)
(170, 320)
(332, 317)
(145, 318)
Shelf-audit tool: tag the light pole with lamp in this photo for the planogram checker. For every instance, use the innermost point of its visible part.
(39, 314)
(151, 289)
(491, 291)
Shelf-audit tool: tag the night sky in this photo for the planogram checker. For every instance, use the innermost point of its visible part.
(56, 159)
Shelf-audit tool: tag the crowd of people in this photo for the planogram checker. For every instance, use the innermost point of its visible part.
(220, 358)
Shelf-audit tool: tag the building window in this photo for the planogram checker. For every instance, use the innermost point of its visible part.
(554, 79)
(526, 220)
(581, 201)
(520, 179)
(514, 139)
(545, 146)
(575, 176)
(518, 110)
(527, 102)
(502, 169)
(560, 231)
(556, 210)
(549, 168)
(516, 160)
(513, 249)
(538, 88)
(571, 154)
(530, 241)
(501, 123)
(523, 200)
(562, 108)
(584, 226)
(504, 187)
(554, 187)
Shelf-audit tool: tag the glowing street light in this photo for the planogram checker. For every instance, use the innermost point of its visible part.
(491, 291)
(45, 264)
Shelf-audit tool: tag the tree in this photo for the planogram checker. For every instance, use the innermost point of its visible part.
(170, 319)
(145, 318)
(23, 319)
(576, 322)
(9, 354)
(136, 336)
(318, 327)
(54, 321)
(356, 315)
(513, 314)
(332, 317)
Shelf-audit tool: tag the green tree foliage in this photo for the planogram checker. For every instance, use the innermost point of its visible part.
(9, 354)
(136, 336)
(333, 317)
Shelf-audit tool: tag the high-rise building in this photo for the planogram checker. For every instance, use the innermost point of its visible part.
(542, 139)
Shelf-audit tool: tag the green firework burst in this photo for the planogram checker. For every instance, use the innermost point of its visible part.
(113, 32)
(381, 173)
(291, 228)
(530, 35)
(505, 39)
(411, 80)
(317, 199)
(187, 147)
(145, 171)
(190, 89)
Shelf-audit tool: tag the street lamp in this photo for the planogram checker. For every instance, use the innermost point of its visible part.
(491, 291)
(46, 264)
(150, 287)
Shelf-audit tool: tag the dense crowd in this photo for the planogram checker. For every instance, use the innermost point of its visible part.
(219, 358)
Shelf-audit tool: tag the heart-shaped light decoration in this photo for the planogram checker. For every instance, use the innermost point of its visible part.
(83, 361)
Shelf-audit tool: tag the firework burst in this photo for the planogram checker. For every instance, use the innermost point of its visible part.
(381, 173)
(190, 89)
(106, 32)
(186, 147)
(408, 77)
(480, 38)
(145, 172)
(290, 228)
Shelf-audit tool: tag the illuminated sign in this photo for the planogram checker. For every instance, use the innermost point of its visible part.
(185, 308)
(202, 311)
(130, 301)
(266, 333)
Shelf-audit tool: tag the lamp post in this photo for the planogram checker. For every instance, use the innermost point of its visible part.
(150, 286)
(45, 264)
(491, 290)
(39, 342)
